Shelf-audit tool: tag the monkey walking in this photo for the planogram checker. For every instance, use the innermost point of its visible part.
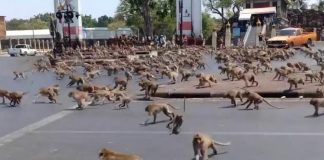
(176, 124)
(81, 98)
(50, 92)
(155, 108)
(124, 101)
(256, 99)
(15, 98)
(234, 93)
(317, 102)
(19, 75)
(294, 82)
(107, 154)
(4, 94)
(75, 79)
(202, 142)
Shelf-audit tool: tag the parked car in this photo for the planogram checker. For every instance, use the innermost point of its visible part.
(22, 50)
(290, 37)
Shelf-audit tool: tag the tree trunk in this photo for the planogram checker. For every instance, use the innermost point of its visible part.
(147, 20)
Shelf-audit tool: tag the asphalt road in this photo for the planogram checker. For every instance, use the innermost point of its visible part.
(49, 131)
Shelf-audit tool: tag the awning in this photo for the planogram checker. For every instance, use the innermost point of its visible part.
(265, 10)
(245, 17)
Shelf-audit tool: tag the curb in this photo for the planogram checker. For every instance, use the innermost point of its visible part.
(220, 94)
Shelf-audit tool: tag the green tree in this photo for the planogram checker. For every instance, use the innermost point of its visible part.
(103, 21)
(116, 24)
(88, 21)
(208, 24)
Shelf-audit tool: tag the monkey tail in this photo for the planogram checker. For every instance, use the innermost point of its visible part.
(222, 144)
(271, 104)
(175, 108)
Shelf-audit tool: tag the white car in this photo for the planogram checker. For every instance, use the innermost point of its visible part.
(22, 50)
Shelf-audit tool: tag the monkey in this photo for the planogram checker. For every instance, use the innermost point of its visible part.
(150, 87)
(234, 93)
(105, 94)
(281, 73)
(75, 79)
(41, 67)
(122, 81)
(107, 154)
(202, 142)
(253, 97)
(60, 73)
(312, 76)
(267, 66)
(50, 92)
(124, 101)
(235, 72)
(205, 78)
(176, 124)
(319, 93)
(15, 98)
(294, 82)
(19, 75)
(155, 108)
(86, 88)
(185, 75)
(248, 77)
(92, 74)
(80, 97)
(317, 102)
(4, 94)
(128, 75)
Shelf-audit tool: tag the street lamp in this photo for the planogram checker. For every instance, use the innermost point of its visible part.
(68, 13)
(181, 21)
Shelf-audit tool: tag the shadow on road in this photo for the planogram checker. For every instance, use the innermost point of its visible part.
(312, 116)
(151, 123)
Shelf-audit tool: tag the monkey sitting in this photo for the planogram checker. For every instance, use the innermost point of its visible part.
(234, 93)
(15, 97)
(205, 79)
(256, 99)
(75, 79)
(107, 154)
(19, 75)
(176, 124)
(202, 142)
(317, 102)
(80, 97)
(4, 94)
(155, 108)
(122, 81)
(294, 82)
(248, 77)
(50, 92)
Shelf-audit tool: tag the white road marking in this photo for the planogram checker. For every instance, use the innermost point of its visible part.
(32, 127)
(292, 100)
(184, 132)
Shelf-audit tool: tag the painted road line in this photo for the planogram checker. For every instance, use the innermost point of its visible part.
(130, 132)
(32, 127)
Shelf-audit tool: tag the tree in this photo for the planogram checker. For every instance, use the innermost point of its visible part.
(223, 7)
(103, 21)
(318, 6)
(88, 21)
(208, 24)
(116, 24)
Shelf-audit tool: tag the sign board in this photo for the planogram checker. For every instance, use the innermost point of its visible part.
(2, 27)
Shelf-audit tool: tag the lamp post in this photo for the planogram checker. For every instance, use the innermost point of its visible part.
(181, 21)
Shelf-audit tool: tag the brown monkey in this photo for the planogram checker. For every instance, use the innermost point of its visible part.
(93, 73)
(185, 75)
(19, 75)
(76, 79)
(248, 77)
(104, 94)
(312, 76)
(256, 99)
(317, 102)
(4, 94)
(107, 154)
(15, 98)
(50, 92)
(122, 81)
(294, 82)
(234, 93)
(150, 87)
(80, 97)
(202, 142)
(124, 101)
(205, 79)
(155, 108)
(176, 124)
(281, 73)
(319, 93)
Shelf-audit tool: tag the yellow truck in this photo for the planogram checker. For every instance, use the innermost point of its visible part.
(290, 37)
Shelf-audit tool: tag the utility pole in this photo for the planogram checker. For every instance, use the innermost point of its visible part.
(181, 21)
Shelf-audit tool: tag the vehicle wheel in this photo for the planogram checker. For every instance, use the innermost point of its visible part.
(291, 45)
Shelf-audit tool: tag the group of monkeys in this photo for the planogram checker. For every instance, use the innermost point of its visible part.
(171, 65)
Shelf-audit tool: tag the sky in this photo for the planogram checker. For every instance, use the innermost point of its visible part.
(24, 9)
